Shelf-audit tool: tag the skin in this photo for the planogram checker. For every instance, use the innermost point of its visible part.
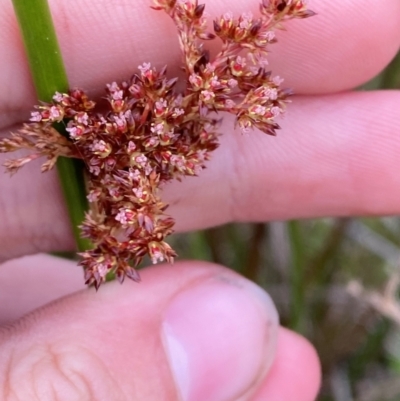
(336, 155)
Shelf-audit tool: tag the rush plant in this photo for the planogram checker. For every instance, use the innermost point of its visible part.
(152, 133)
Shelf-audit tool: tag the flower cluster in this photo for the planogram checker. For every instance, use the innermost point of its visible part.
(153, 133)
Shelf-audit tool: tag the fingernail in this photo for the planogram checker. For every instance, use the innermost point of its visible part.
(220, 337)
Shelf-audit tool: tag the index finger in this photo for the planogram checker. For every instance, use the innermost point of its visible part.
(347, 43)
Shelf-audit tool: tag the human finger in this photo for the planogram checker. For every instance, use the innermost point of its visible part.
(335, 156)
(105, 41)
(297, 361)
(193, 331)
(30, 282)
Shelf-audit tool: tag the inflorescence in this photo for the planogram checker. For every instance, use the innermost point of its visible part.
(153, 133)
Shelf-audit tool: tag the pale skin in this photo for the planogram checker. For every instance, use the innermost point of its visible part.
(336, 155)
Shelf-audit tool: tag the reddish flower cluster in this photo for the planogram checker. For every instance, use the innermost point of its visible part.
(153, 133)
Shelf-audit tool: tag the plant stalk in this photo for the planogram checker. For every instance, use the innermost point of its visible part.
(297, 307)
(49, 76)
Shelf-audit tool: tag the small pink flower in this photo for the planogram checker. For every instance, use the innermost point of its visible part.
(120, 121)
(232, 83)
(178, 161)
(155, 252)
(270, 93)
(117, 95)
(276, 111)
(178, 112)
(95, 170)
(131, 146)
(55, 113)
(246, 20)
(259, 110)
(158, 129)
(157, 257)
(125, 216)
(141, 160)
(144, 68)
(113, 87)
(260, 60)
(134, 174)
(114, 192)
(269, 35)
(245, 126)
(82, 118)
(138, 192)
(36, 116)
(75, 132)
(241, 61)
(102, 269)
(239, 65)
(196, 80)
(58, 97)
(161, 104)
(151, 142)
(277, 80)
(93, 195)
(166, 136)
(215, 83)
(206, 95)
(99, 146)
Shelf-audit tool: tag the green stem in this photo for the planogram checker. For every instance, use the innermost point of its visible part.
(297, 319)
(71, 177)
(317, 268)
(41, 45)
(199, 248)
(391, 76)
(48, 74)
(254, 257)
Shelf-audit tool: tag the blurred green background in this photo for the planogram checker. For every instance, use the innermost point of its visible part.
(335, 281)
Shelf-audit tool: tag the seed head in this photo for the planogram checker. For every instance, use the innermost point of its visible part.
(152, 132)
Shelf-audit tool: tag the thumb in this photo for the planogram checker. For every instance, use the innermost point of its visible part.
(190, 332)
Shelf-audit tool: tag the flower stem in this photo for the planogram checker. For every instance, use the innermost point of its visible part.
(391, 76)
(41, 45)
(49, 75)
(298, 307)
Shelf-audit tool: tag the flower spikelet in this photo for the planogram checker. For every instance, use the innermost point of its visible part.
(152, 133)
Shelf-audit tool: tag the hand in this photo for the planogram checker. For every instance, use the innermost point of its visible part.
(335, 155)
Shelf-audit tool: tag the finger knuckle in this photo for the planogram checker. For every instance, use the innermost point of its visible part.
(49, 372)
